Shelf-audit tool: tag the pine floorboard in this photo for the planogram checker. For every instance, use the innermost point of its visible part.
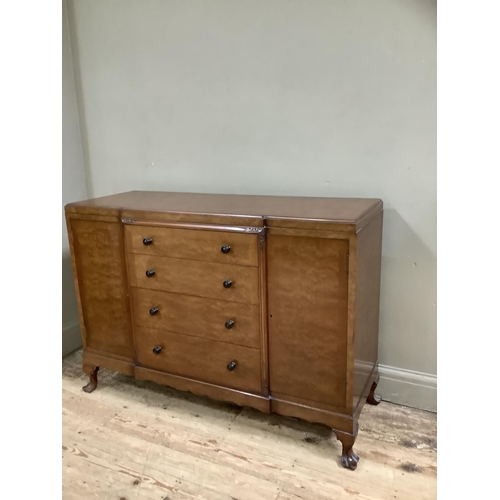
(131, 440)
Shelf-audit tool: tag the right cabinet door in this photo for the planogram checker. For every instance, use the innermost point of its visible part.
(307, 316)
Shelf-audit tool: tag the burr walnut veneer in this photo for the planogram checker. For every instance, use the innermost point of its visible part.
(264, 301)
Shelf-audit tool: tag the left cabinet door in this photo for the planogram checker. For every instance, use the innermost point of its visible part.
(99, 268)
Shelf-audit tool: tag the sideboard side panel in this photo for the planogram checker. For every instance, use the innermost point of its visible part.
(307, 318)
(100, 277)
(366, 308)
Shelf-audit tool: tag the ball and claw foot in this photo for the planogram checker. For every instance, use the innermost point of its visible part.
(91, 372)
(373, 399)
(349, 459)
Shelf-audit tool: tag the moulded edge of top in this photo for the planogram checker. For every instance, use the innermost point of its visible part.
(278, 221)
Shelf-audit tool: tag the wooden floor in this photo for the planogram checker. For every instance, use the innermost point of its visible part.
(138, 440)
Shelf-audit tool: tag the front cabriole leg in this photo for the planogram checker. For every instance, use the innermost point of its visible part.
(91, 372)
(349, 458)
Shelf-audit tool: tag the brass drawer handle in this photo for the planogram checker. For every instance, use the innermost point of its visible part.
(157, 349)
(227, 284)
(229, 324)
(232, 365)
(150, 272)
(225, 249)
(153, 311)
(147, 241)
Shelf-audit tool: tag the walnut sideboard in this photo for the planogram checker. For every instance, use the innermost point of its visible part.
(270, 302)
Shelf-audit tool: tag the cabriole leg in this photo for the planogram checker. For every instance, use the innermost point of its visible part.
(91, 372)
(373, 399)
(349, 458)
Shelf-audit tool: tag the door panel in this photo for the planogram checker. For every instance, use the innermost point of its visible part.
(102, 285)
(307, 313)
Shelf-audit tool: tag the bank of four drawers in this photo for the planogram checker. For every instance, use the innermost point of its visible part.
(195, 301)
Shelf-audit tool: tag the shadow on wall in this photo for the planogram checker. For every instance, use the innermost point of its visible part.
(71, 339)
(408, 297)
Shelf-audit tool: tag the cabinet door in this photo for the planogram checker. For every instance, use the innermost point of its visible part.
(101, 285)
(307, 312)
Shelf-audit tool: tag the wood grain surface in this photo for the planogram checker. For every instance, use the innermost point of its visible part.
(307, 310)
(133, 439)
(366, 307)
(213, 391)
(190, 277)
(99, 270)
(200, 359)
(281, 211)
(193, 244)
(197, 316)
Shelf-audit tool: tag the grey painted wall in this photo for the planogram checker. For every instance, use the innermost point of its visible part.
(73, 186)
(320, 98)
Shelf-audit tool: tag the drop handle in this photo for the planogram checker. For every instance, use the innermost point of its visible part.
(150, 272)
(229, 324)
(227, 283)
(232, 365)
(157, 349)
(225, 248)
(147, 241)
(153, 311)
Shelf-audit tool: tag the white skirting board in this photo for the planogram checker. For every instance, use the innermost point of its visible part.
(71, 338)
(409, 388)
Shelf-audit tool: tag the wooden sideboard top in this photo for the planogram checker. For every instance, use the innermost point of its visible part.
(253, 210)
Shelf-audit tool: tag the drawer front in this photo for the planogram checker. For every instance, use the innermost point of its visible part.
(220, 320)
(190, 277)
(199, 359)
(208, 246)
